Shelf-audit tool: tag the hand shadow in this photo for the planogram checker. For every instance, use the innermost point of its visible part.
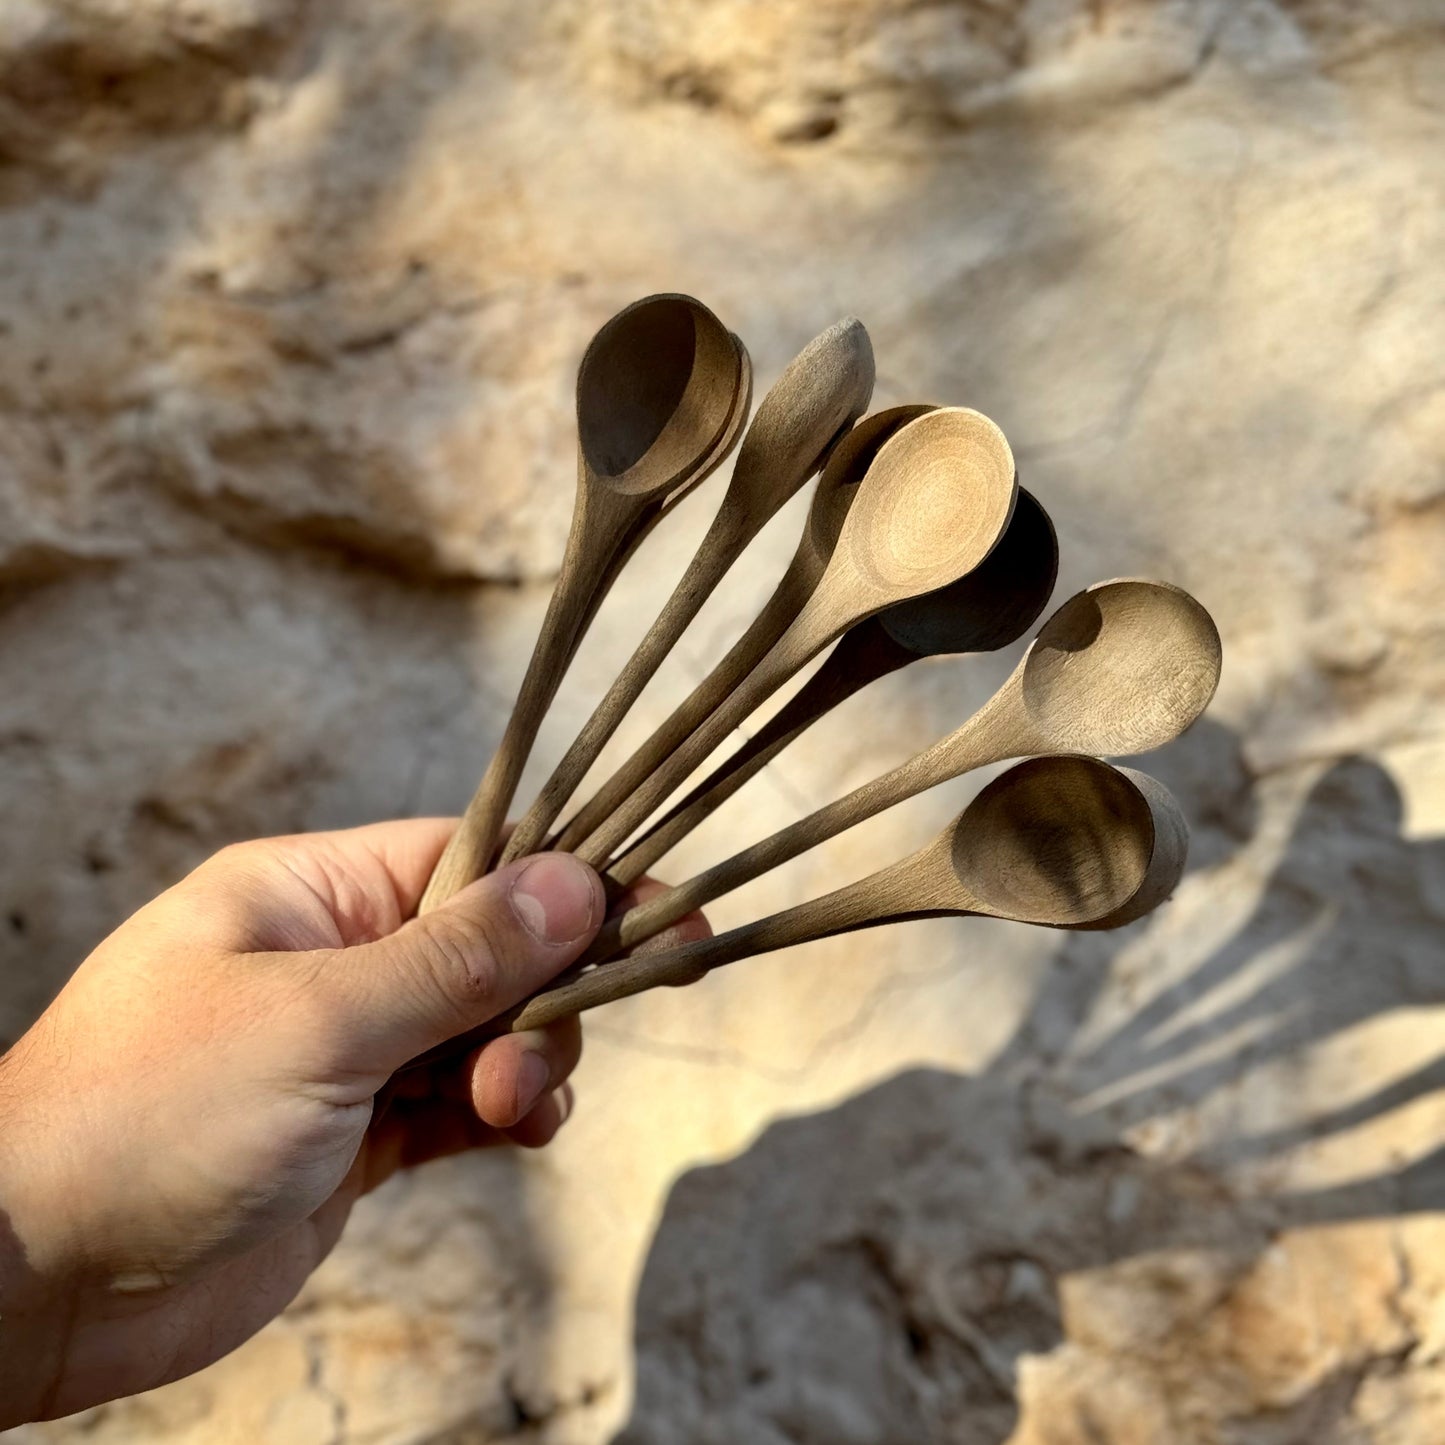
(876, 1272)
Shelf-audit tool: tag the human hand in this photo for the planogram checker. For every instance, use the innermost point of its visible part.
(185, 1130)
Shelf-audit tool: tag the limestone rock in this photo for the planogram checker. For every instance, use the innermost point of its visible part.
(291, 300)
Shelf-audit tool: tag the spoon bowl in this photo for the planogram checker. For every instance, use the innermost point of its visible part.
(1117, 666)
(846, 466)
(991, 606)
(1059, 841)
(939, 495)
(655, 391)
(1166, 866)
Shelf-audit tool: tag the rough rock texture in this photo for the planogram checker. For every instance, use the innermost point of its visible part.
(291, 299)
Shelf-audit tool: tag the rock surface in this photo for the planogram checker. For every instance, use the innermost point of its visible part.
(291, 299)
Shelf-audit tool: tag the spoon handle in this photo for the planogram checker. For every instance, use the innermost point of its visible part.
(602, 533)
(765, 629)
(985, 738)
(819, 622)
(863, 654)
(719, 550)
(919, 886)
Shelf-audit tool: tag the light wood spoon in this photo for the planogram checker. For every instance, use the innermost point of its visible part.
(1062, 842)
(992, 606)
(1120, 668)
(845, 468)
(819, 396)
(656, 394)
(932, 506)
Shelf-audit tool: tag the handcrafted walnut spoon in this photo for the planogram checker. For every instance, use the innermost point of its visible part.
(846, 466)
(992, 606)
(1062, 842)
(1120, 668)
(932, 506)
(819, 396)
(656, 393)
(720, 453)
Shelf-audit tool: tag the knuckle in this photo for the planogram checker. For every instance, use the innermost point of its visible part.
(243, 854)
(465, 956)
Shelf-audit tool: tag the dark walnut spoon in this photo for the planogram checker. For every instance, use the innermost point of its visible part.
(991, 607)
(657, 393)
(818, 397)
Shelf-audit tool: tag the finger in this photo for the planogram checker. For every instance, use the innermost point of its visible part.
(507, 1078)
(402, 853)
(377, 1005)
(412, 1133)
(540, 1127)
(415, 1133)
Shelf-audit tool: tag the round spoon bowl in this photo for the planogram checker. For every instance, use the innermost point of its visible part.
(935, 503)
(655, 392)
(991, 606)
(1058, 841)
(1118, 665)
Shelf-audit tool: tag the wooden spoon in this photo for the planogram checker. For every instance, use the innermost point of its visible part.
(932, 506)
(992, 606)
(720, 453)
(1063, 842)
(1120, 668)
(656, 394)
(845, 468)
(818, 397)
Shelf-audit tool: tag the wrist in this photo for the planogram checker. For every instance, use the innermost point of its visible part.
(38, 1289)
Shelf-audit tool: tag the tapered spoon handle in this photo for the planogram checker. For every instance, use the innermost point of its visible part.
(917, 887)
(704, 572)
(813, 629)
(765, 629)
(986, 738)
(863, 654)
(601, 533)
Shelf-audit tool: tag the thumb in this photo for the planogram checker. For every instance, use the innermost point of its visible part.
(498, 940)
